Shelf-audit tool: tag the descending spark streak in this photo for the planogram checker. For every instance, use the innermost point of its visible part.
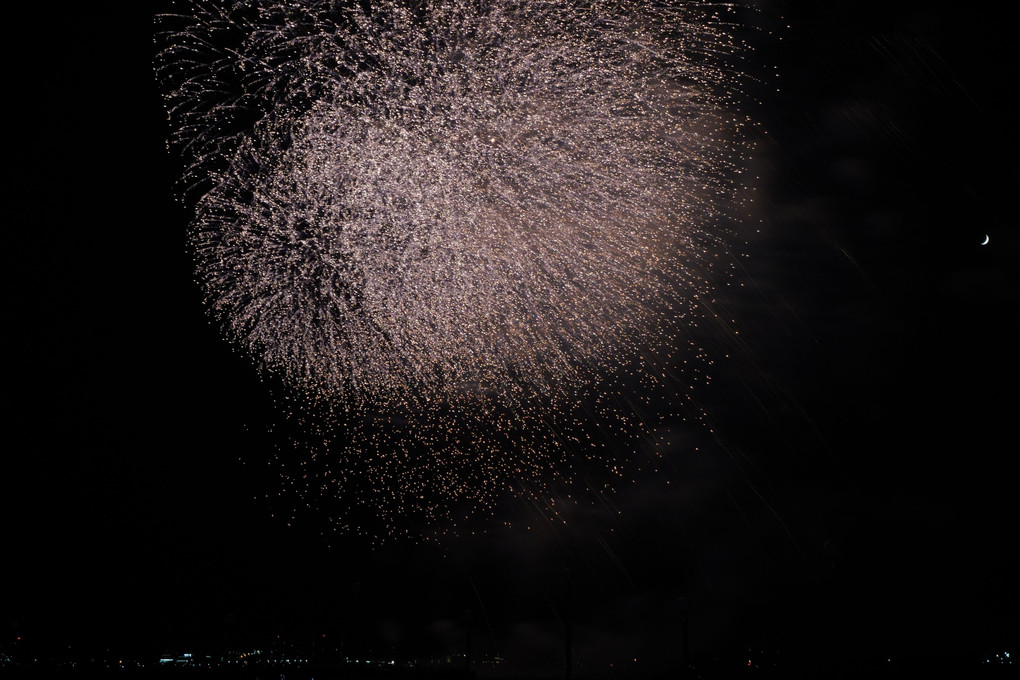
(463, 216)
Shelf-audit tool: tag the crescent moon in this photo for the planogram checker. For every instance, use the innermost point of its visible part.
(985, 242)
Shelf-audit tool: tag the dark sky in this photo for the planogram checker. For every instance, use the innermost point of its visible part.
(859, 498)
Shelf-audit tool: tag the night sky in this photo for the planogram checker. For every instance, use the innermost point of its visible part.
(857, 500)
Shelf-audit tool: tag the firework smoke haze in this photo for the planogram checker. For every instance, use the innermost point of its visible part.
(463, 217)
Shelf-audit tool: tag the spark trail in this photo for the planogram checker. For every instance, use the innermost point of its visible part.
(462, 235)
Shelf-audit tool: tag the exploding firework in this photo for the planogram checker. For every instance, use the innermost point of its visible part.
(461, 235)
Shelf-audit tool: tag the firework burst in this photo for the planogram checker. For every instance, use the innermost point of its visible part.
(461, 235)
